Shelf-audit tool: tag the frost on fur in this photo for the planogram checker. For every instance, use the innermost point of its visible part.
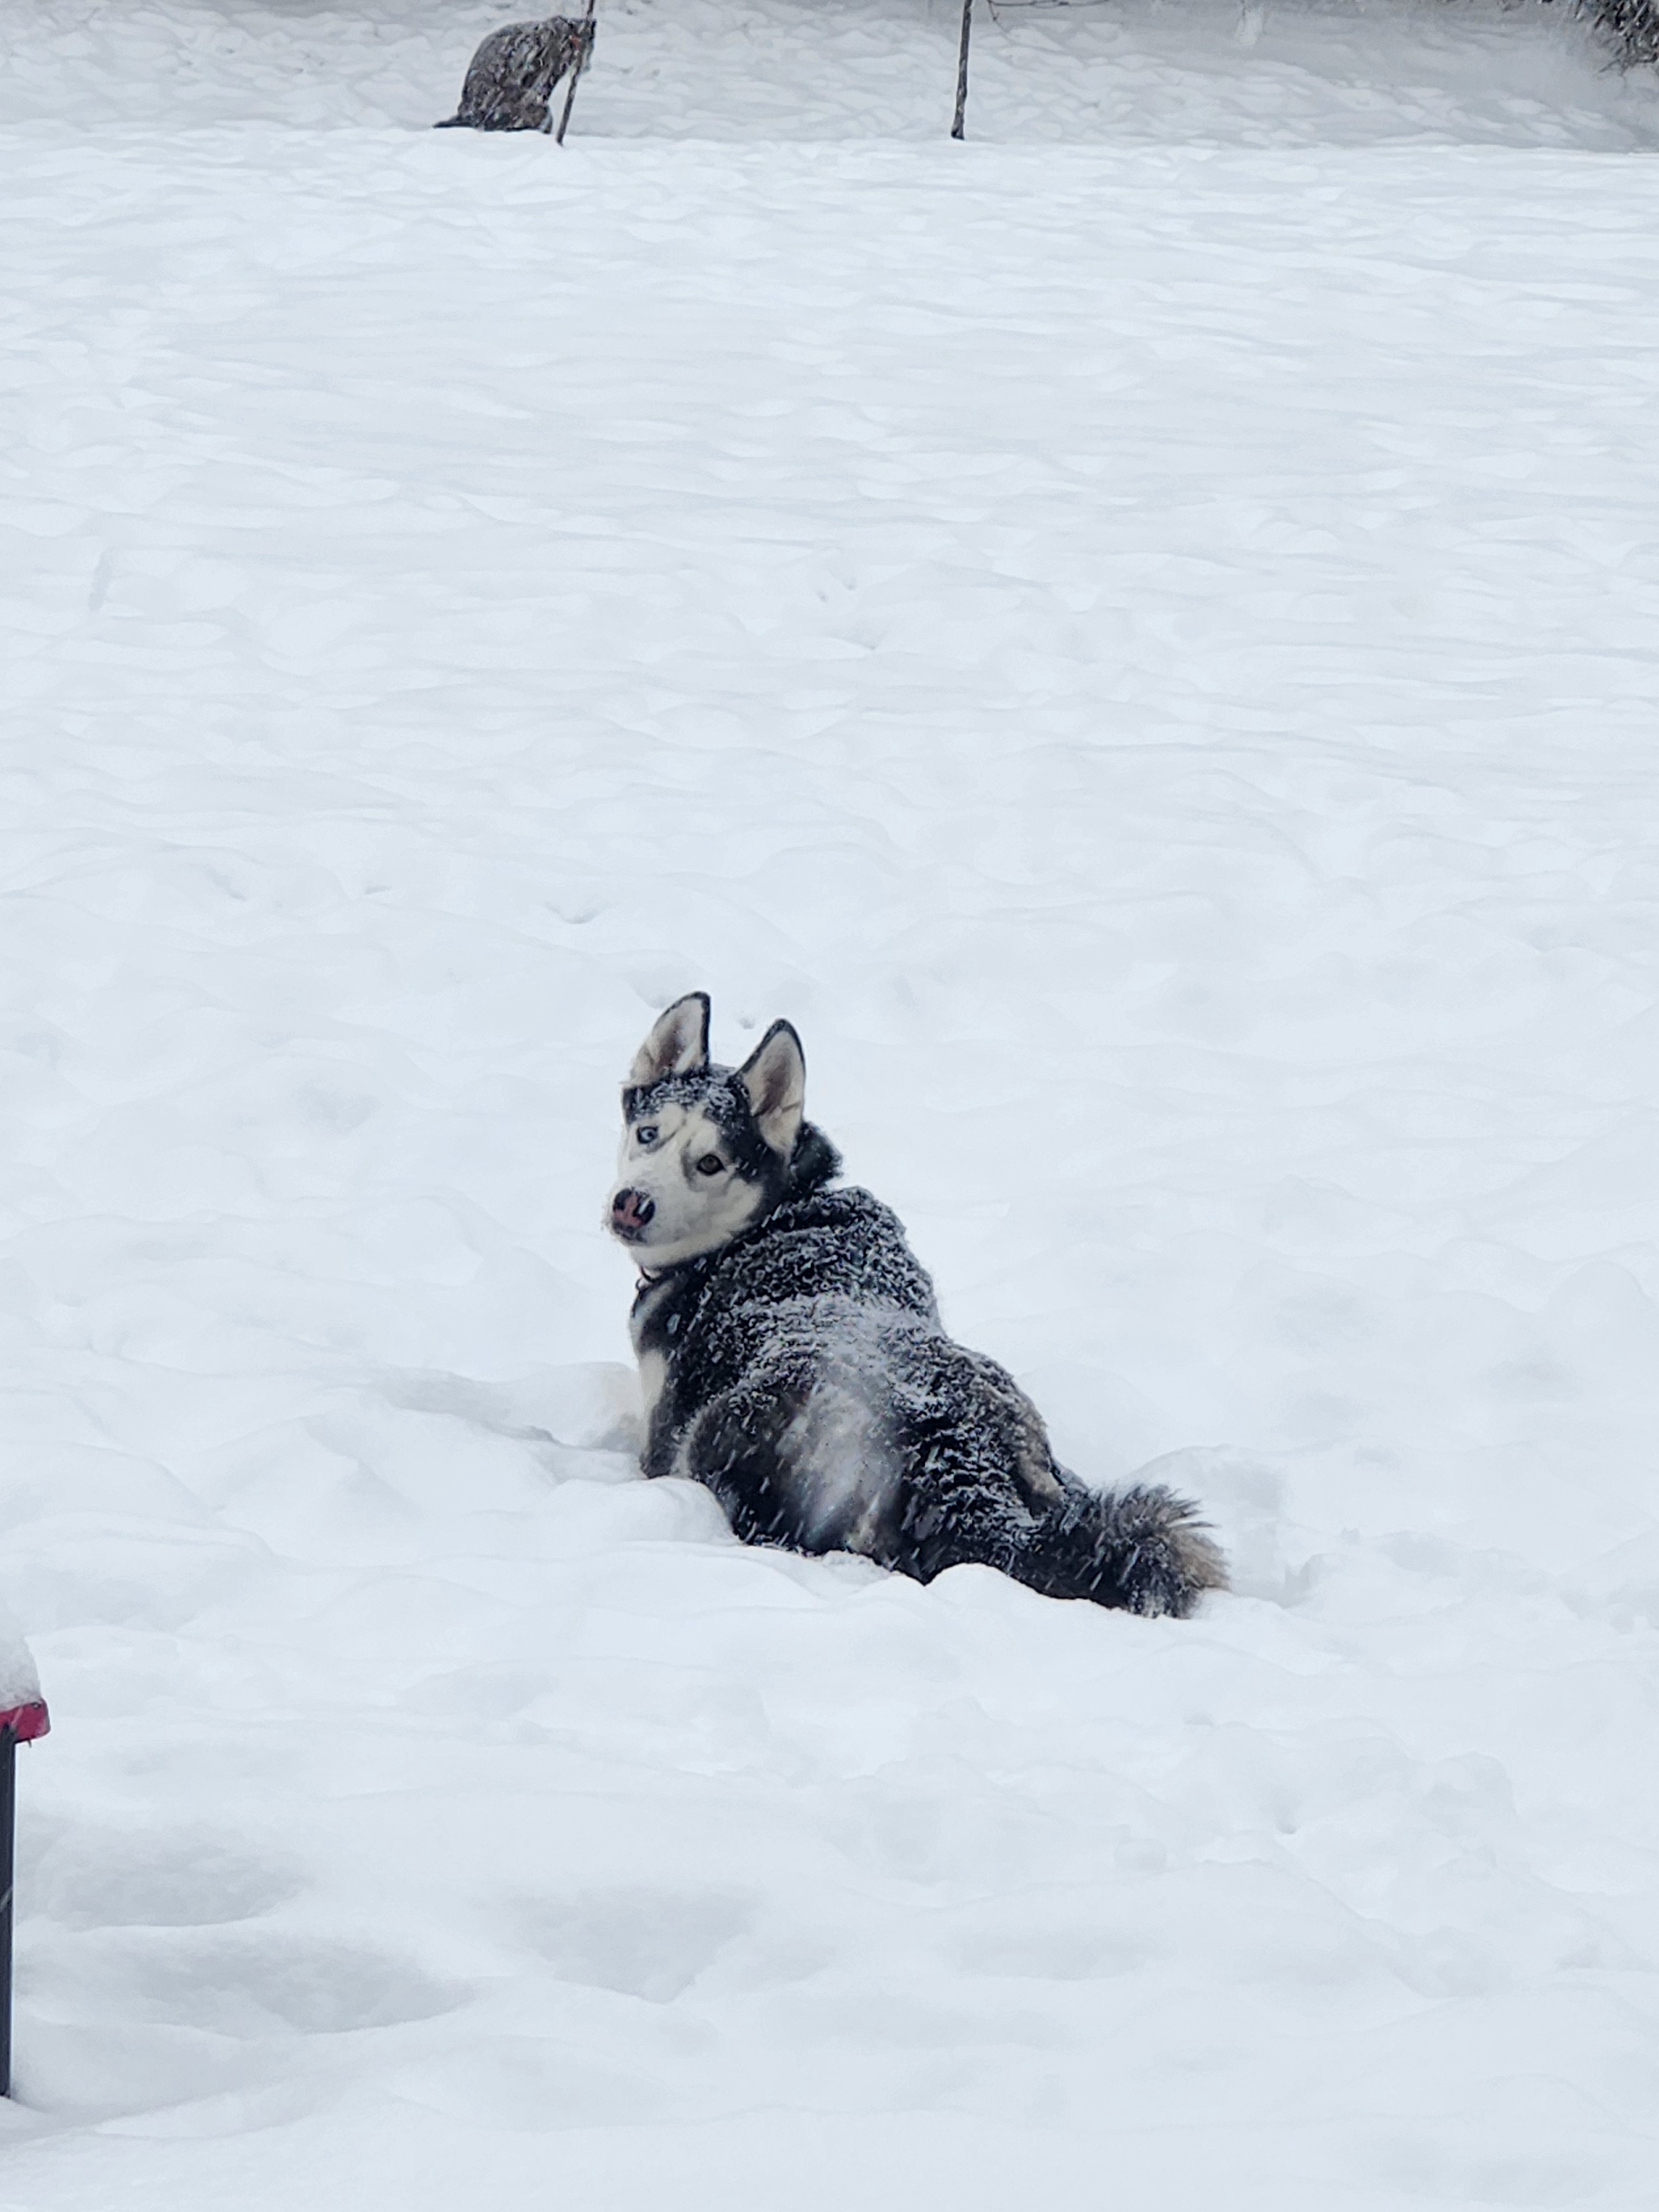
(1143, 1549)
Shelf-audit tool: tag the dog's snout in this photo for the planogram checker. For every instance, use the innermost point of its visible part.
(631, 1210)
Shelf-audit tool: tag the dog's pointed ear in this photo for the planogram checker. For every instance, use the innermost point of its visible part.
(775, 1076)
(678, 1044)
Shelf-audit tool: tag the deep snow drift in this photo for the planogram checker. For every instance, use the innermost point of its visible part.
(1146, 654)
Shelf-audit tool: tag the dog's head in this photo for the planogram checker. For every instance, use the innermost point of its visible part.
(708, 1150)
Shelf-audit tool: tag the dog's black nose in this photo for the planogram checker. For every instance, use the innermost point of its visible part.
(631, 1210)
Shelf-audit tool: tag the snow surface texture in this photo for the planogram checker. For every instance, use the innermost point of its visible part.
(1145, 650)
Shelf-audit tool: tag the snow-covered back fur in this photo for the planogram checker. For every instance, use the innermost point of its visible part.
(798, 1365)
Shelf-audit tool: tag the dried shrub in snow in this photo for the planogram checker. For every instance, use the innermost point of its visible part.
(1633, 24)
(513, 74)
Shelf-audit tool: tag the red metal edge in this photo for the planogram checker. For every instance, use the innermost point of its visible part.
(24, 1722)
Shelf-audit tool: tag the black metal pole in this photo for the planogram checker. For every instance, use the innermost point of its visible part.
(956, 130)
(581, 64)
(7, 1822)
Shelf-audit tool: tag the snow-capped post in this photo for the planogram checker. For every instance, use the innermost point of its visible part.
(961, 116)
(587, 27)
(22, 1717)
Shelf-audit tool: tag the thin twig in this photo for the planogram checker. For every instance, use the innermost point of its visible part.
(581, 64)
(957, 126)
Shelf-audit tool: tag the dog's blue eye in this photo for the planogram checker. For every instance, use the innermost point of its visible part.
(710, 1163)
(646, 1136)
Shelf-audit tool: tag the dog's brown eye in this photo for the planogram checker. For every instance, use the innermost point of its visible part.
(647, 1136)
(710, 1163)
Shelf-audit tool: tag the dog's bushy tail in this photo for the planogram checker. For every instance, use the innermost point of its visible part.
(1143, 1550)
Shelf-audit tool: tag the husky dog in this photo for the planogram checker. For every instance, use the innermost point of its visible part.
(792, 1358)
(511, 78)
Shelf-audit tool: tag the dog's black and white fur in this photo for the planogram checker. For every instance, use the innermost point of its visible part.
(792, 1356)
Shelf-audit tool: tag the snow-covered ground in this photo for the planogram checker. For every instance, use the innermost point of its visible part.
(1142, 637)
(1142, 72)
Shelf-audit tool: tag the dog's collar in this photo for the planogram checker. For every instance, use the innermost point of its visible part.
(649, 1277)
